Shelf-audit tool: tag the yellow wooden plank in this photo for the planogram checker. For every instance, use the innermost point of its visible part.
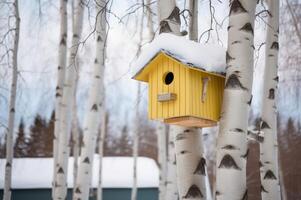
(150, 102)
(171, 89)
(177, 90)
(154, 93)
(182, 91)
(165, 87)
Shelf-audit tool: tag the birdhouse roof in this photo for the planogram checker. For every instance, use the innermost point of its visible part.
(204, 57)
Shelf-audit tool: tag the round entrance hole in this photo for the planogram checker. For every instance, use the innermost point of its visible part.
(168, 78)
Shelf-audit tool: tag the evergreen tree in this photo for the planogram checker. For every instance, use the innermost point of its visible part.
(21, 144)
(49, 136)
(37, 142)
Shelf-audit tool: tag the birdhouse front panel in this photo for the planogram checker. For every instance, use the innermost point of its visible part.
(179, 94)
(168, 77)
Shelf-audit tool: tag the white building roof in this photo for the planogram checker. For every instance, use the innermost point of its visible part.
(207, 57)
(117, 172)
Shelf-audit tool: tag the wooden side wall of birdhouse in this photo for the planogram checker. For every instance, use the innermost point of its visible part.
(180, 86)
(210, 106)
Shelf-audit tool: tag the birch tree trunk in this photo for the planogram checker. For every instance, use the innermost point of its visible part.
(66, 108)
(95, 107)
(193, 21)
(171, 184)
(232, 140)
(169, 22)
(62, 57)
(270, 189)
(136, 145)
(102, 135)
(169, 18)
(12, 102)
(75, 136)
(162, 159)
(75, 123)
(191, 164)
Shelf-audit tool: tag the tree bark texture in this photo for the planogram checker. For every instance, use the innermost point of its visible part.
(171, 184)
(193, 20)
(169, 17)
(95, 108)
(232, 140)
(269, 169)
(12, 109)
(136, 144)
(102, 134)
(191, 163)
(62, 57)
(162, 158)
(66, 108)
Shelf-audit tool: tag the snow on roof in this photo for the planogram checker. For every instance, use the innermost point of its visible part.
(207, 57)
(117, 172)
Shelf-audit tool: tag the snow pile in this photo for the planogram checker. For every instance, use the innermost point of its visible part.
(117, 172)
(206, 57)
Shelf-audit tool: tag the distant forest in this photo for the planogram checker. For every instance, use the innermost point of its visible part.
(38, 142)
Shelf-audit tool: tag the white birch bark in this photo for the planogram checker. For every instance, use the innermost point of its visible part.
(75, 122)
(232, 140)
(62, 57)
(169, 18)
(169, 22)
(102, 134)
(75, 137)
(12, 102)
(66, 108)
(270, 188)
(171, 183)
(162, 159)
(136, 145)
(95, 107)
(191, 163)
(193, 21)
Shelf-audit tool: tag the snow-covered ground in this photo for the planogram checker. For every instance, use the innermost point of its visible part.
(117, 172)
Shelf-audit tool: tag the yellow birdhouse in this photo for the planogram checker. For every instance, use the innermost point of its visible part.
(182, 89)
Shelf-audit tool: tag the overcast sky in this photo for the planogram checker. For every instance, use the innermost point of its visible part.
(38, 59)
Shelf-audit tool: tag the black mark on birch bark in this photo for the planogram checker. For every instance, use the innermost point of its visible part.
(164, 27)
(180, 136)
(229, 147)
(250, 101)
(60, 171)
(94, 107)
(200, 169)
(269, 175)
(236, 8)
(228, 57)
(262, 189)
(228, 162)
(246, 154)
(275, 46)
(234, 83)
(271, 93)
(77, 190)
(193, 192)
(264, 125)
(248, 28)
(63, 41)
(87, 160)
